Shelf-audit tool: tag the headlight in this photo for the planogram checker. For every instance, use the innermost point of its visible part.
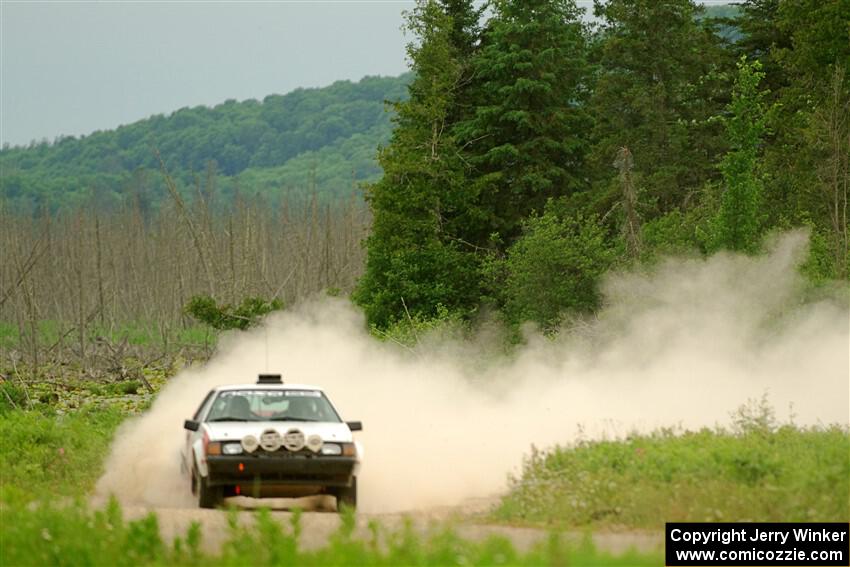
(231, 449)
(331, 449)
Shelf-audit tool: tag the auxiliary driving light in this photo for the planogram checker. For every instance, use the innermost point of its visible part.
(294, 440)
(250, 443)
(314, 443)
(270, 440)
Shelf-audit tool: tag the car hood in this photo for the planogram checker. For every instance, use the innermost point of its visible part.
(236, 430)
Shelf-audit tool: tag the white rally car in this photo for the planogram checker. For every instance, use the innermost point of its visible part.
(270, 439)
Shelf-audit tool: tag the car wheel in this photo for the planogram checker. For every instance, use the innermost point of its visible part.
(208, 496)
(346, 497)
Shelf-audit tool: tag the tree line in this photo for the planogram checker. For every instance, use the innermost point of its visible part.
(535, 150)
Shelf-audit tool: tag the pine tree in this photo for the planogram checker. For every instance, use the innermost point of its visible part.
(415, 265)
(764, 40)
(659, 82)
(802, 44)
(525, 142)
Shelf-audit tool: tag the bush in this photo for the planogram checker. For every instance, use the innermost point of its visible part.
(12, 397)
(223, 317)
(410, 332)
(555, 268)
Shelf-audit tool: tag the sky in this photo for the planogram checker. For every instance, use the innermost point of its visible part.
(71, 68)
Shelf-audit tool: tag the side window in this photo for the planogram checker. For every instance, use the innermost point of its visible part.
(203, 406)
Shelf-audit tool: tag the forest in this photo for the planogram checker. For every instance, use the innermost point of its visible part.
(536, 152)
(531, 151)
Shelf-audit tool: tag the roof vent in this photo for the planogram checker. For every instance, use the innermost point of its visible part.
(269, 379)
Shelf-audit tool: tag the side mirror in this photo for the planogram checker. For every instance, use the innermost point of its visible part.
(191, 425)
(355, 425)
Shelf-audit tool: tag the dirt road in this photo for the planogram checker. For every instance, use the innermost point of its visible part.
(320, 520)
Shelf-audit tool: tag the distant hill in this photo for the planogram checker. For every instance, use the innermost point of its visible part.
(321, 139)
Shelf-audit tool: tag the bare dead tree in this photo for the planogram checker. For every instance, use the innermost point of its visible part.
(196, 237)
(631, 227)
(135, 269)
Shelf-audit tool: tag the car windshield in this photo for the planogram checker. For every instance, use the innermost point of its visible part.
(272, 405)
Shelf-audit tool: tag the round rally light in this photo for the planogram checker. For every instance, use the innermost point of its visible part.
(270, 440)
(250, 443)
(314, 443)
(294, 440)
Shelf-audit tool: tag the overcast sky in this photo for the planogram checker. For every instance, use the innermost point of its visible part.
(70, 68)
(75, 67)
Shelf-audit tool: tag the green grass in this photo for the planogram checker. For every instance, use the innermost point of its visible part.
(8, 335)
(138, 333)
(74, 535)
(46, 455)
(758, 472)
(56, 455)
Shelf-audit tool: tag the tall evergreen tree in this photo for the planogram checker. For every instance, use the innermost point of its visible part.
(764, 40)
(659, 83)
(525, 141)
(414, 263)
(810, 39)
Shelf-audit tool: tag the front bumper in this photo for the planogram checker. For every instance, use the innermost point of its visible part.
(291, 470)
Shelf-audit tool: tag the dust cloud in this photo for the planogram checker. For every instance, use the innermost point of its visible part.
(684, 346)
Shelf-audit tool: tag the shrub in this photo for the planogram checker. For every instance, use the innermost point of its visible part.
(555, 268)
(223, 317)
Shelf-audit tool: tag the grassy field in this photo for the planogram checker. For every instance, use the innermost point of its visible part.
(756, 471)
(50, 462)
(137, 333)
(49, 454)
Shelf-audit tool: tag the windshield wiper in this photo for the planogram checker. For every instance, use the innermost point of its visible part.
(292, 419)
(230, 419)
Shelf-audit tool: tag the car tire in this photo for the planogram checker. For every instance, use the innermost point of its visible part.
(346, 497)
(208, 496)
